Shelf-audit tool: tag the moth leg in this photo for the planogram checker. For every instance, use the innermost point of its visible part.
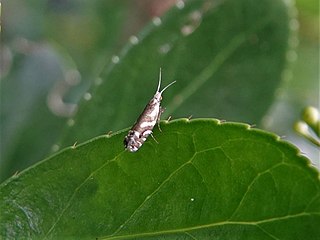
(154, 138)
(145, 134)
(159, 116)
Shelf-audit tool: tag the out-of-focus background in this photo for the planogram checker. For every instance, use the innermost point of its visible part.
(53, 51)
(301, 85)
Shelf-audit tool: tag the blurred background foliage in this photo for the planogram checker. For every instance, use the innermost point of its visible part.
(300, 87)
(52, 51)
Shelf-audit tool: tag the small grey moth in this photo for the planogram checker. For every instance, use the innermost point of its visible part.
(146, 121)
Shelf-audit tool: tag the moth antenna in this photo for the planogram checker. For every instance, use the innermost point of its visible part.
(159, 83)
(167, 87)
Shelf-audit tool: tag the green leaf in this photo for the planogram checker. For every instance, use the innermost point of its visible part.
(226, 56)
(29, 126)
(88, 31)
(204, 180)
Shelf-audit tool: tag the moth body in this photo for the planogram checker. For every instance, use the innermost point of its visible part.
(146, 121)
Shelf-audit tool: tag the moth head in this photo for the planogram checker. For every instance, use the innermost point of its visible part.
(158, 95)
(157, 98)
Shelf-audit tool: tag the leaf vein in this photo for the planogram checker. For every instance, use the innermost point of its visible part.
(77, 189)
(148, 197)
(268, 233)
(250, 186)
(210, 225)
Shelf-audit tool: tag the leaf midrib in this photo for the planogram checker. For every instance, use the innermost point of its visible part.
(213, 66)
(199, 227)
(205, 74)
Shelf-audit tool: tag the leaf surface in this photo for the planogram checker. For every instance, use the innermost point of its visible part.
(204, 180)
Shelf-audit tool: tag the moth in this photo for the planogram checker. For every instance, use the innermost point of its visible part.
(146, 121)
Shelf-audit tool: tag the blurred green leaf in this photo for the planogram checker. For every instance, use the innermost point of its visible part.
(301, 86)
(204, 180)
(41, 58)
(226, 56)
(309, 6)
(28, 127)
(88, 30)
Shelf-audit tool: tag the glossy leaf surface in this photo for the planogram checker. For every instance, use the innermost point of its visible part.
(204, 180)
